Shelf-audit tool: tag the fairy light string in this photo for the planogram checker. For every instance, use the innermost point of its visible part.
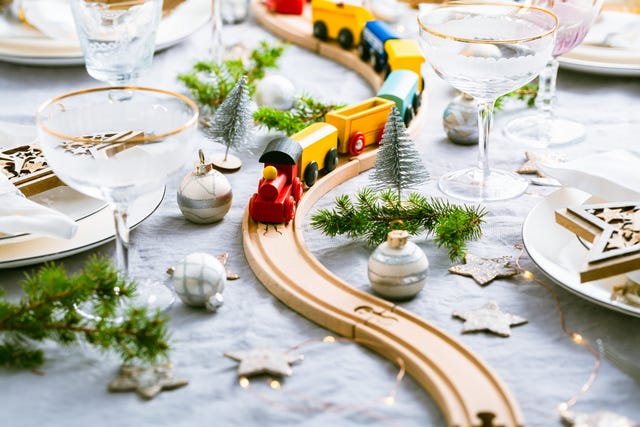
(575, 337)
(313, 404)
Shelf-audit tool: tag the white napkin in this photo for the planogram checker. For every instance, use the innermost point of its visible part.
(612, 175)
(20, 215)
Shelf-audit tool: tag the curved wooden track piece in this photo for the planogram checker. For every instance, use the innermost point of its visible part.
(466, 390)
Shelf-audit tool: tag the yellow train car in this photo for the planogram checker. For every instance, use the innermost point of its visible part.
(319, 152)
(405, 54)
(360, 124)
(339, 20)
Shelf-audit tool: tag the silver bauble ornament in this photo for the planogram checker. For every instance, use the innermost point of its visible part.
(199, 280)
(204, 196)
(460, 120)
(275, 91)
(398, 268)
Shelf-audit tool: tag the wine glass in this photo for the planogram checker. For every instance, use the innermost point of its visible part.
(117, 151)
(543, 128)
(486, 50)
(117, 37)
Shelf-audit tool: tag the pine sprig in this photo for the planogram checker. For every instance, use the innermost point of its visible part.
(48, 311)
(526, 93)
(210, 82)
(369, 214)
(305, 111)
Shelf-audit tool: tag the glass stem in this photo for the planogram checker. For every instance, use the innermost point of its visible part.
(485, 117)
(547, 88)
(216, 31)
(122, 239)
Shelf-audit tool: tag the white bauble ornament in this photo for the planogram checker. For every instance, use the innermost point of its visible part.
(275, 91)
(204, 196)
(398, 268)
(199, 280)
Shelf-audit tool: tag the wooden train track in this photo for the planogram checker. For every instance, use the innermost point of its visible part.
(466, 390)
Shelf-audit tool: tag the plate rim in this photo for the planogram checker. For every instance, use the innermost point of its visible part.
(536, 256)
(145, 208)
(77, 58)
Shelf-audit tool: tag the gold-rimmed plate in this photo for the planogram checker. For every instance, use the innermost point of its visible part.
(23, 44)
(93, 230)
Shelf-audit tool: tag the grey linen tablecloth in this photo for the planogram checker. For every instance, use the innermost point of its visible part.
(538, 363)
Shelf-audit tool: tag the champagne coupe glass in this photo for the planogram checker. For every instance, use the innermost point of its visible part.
(117, 151)
(117, 37)
(544, 128)
(486, 50)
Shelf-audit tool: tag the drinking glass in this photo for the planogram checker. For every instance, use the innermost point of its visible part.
(543, 128)
(486, 50)
(117, 37)
(117, 151)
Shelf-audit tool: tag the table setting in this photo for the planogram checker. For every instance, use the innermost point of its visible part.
(181, 163)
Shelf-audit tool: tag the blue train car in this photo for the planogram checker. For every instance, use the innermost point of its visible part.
(372, 43)
(401, 87)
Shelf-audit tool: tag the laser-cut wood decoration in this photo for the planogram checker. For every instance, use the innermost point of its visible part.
(614, 231)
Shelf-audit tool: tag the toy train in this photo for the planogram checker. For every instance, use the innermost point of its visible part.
(292, 162)
(353, 25)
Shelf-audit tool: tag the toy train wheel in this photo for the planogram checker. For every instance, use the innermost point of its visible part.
(387, 71)
(296, 189)
(331, 160)
(377, 62)
(345, 38)
(289, 209)
(320, 30)
(356, 143)
(417, 101)
(408, 116)
(363, 51)
(311, 173)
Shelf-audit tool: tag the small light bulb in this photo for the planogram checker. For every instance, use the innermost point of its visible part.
(244, 382)
(577, 338)
(329, 338)
(390, 400)
(274, 384)
(526, 274)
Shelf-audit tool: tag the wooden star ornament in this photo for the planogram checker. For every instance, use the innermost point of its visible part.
(614, 231)
(147, 381)
(533, 157)
(264, 361)
(490, 318)
(485, 270)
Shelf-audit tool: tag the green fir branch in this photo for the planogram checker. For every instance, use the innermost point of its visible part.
(369, 214)
(527, 94)
(209, 82)
(48, 311)
(305, 111)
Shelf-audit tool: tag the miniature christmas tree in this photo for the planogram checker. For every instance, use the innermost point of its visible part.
(398, 165)
(232, 125)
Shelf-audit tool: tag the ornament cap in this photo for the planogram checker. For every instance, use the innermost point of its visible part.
(202, 168)
(397, 238)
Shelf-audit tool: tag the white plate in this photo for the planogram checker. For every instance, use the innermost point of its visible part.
(593, 57)
(93, 230)
(559, 253)
(33, 48)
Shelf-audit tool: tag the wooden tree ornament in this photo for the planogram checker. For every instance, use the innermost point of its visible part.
(614, 231)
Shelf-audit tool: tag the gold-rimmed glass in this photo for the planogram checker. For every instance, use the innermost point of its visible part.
(486, 50)
(119, 150)
(544, 128)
